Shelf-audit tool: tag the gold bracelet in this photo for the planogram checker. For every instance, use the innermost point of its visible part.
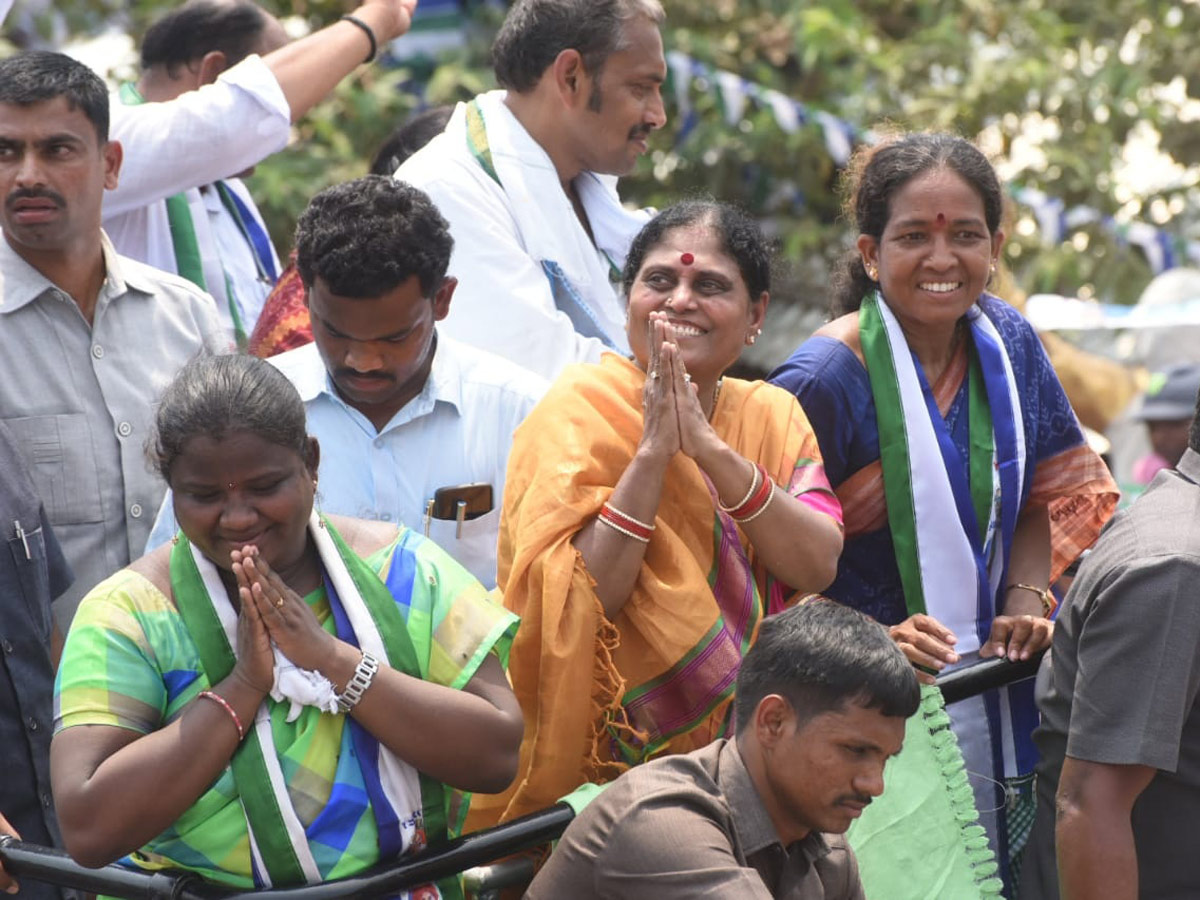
(1049, 602)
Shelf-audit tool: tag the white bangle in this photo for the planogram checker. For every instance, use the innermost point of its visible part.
(367, 667)
(758, 512)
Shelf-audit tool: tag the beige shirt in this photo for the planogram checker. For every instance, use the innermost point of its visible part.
(79, 400)
(691, 826)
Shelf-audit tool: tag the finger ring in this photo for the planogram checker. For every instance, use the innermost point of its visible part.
(654, 373)
(687, 378)
(279, 603)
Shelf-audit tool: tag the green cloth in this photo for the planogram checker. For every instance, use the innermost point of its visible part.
(921, 839)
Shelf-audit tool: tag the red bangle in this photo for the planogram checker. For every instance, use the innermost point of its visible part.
(237, 720)
(758, 499)
(626, 524)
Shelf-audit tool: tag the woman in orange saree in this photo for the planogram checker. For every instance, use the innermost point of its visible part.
(655, 511)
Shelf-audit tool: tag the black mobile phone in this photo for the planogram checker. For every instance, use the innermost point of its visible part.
(477, 500)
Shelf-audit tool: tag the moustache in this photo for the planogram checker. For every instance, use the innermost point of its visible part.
(640, 132)
(372, 376)
(863, 800)
(34, 194)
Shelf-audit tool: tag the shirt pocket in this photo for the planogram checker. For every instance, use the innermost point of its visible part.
(59, 455)
(33, 578)
(475, 548)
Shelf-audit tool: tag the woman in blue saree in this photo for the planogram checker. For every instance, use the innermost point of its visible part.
(965, 481)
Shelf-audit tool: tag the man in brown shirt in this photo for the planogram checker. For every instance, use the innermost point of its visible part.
(821, 704)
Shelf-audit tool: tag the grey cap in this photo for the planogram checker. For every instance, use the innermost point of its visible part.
(1171, 394)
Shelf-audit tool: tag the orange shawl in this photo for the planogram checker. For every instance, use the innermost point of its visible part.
(599, 696)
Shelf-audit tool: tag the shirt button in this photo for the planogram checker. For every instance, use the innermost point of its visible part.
(7, 645)
(46, 800)
(33, 725)
(124, 429)
(136, 510)
(97, 351)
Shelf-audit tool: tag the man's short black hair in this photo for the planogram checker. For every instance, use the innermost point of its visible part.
(409, 137)
(365, 237)
(821, 656)
(39, 76)
(185, 34)
(536, 31)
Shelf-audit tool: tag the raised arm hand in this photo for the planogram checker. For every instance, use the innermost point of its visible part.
(612, 557)
(309, 69)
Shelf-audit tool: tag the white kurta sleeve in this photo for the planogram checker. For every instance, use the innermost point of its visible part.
(199, 137)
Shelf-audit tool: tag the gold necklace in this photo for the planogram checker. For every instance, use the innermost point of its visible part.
(716, 394)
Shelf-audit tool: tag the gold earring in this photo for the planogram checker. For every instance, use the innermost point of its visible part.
(872, 271)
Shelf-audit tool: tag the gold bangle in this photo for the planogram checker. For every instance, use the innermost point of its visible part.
(1049, 602)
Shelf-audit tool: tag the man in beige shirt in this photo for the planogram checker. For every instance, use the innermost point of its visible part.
(88, 338)
(821, 704)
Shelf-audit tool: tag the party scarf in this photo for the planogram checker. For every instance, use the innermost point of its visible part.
(940, 555)
(366, 615)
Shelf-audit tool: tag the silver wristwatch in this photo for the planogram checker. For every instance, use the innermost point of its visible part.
(367, 667)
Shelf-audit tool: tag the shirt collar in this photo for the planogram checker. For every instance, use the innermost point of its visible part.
(21, 283)
(1189, 464)
(444, 384)
(753, 825)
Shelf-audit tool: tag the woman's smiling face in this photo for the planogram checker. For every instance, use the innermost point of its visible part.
(689, 276)
(935, 253)
(242, 489)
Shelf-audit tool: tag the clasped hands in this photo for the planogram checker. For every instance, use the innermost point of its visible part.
(674, 419)
(929, 645)
(271, 612)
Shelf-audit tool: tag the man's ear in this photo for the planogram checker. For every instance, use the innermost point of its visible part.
(212, 64)
(773, 718)
(441, 299)
(570, 77)
(113, 154)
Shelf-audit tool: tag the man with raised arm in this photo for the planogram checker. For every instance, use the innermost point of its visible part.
(219, 90)
(526, 176)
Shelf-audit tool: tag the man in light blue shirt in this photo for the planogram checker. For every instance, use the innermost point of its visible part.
(413, 427)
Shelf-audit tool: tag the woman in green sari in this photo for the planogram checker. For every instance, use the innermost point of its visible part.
(277, 697)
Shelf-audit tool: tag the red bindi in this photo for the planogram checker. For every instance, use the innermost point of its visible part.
(941, 220)
(687, 259)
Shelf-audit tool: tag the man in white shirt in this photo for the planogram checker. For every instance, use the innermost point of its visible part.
(208, 108)
(414, 427)
(88, 339)
(526, 178)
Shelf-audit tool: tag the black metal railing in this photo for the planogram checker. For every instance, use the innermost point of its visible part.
(39, 863)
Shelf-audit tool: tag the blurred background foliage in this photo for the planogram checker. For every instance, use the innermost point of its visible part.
(1090, 105)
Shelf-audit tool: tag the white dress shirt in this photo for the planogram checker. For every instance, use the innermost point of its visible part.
(182, 145)
(504, 235)
(79, 400)
(458, 430)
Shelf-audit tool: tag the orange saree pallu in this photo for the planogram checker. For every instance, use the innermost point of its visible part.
(600, 696)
